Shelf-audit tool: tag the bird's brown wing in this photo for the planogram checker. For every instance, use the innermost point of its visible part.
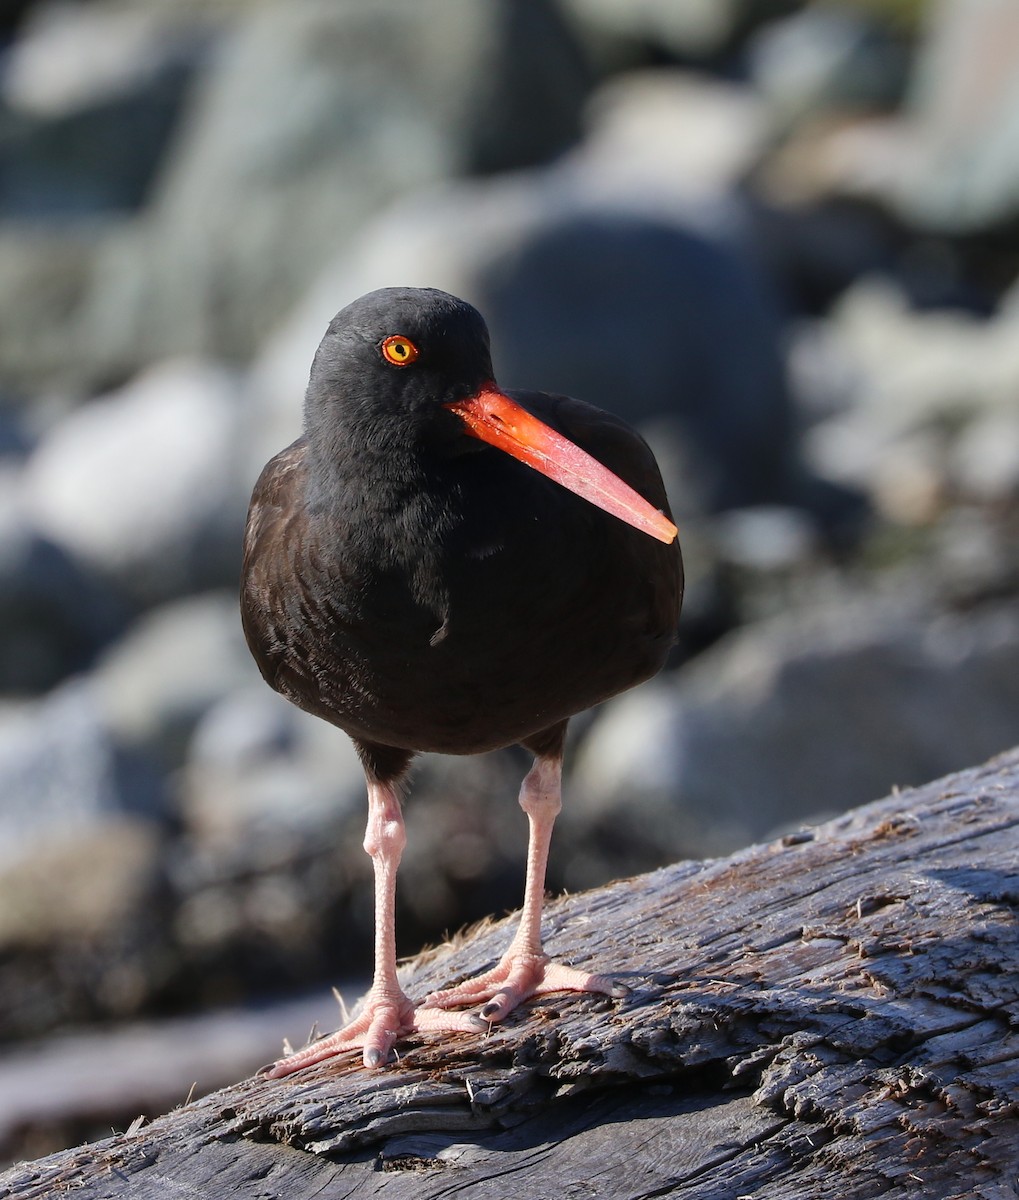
(303, 608)
(271, 535)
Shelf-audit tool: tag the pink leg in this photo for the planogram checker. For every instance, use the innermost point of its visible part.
(524, 969)
(387, 1013)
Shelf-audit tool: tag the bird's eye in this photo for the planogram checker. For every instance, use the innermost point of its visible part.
(399, 350)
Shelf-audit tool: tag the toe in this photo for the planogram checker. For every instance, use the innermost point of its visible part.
(381, 1034)
(500, 1005)
(428, 1019)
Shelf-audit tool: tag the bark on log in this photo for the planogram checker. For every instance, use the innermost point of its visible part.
(832, 1013)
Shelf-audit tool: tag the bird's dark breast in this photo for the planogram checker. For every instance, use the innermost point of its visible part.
(508, 621)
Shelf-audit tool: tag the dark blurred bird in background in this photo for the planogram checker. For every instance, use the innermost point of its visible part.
(437, 565)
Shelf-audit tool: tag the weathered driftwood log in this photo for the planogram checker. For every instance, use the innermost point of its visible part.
(832, 1014)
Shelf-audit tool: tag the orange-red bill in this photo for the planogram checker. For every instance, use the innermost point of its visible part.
(495, 418)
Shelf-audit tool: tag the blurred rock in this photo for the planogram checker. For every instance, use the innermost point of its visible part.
(145, 485)
(620, 32)
(44, 279)
(466, 844)
(959, 170)
(826, 59)
(765, 538)
(973, 556)
(273, 885)
(81, 832)
(668, 143)
(82, 930)
(158, 681)
(985, 459)
(91, 96)
(814, 248)
(621, 814)
(947, 163)
(307, 118)
(54, 617)
(14, 438)
(258, 766)
(64, 773)
(805, 715)
(105, 872)
(919, 379)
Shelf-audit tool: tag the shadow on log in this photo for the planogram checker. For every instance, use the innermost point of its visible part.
(832, 1013)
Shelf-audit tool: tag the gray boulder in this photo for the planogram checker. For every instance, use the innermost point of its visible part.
(82, 926)
(788, 720)
(621, 32)
(958, 167)
(45, 277)
(158, 681)
(54, 616)
(64, 772)
(828, 59)
(259, 767)
(144, 486)
(92, 95)
(928, 406)
(291, 125)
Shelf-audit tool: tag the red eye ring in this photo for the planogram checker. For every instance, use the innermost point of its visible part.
(398, 350)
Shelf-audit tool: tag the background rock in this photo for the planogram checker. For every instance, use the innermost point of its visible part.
(780, 723)
(65, 772)
(93, 948)
(163, 676)
(623, 30)
(828, 59)
(54, 617)
(99, 78)
(82, 843)
(961, 168)
(143, 485)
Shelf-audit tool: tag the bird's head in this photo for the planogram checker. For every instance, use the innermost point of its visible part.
(412, 368)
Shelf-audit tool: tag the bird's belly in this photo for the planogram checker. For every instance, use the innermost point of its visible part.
(471, 693)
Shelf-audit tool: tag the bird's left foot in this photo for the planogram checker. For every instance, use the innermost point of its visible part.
(386, 1017)
(516, 978)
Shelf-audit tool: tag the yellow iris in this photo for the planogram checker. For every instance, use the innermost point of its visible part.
(399, 350)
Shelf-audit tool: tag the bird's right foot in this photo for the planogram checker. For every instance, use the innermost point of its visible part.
(384, 1019)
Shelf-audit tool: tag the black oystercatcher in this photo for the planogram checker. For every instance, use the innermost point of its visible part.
(440, 565)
